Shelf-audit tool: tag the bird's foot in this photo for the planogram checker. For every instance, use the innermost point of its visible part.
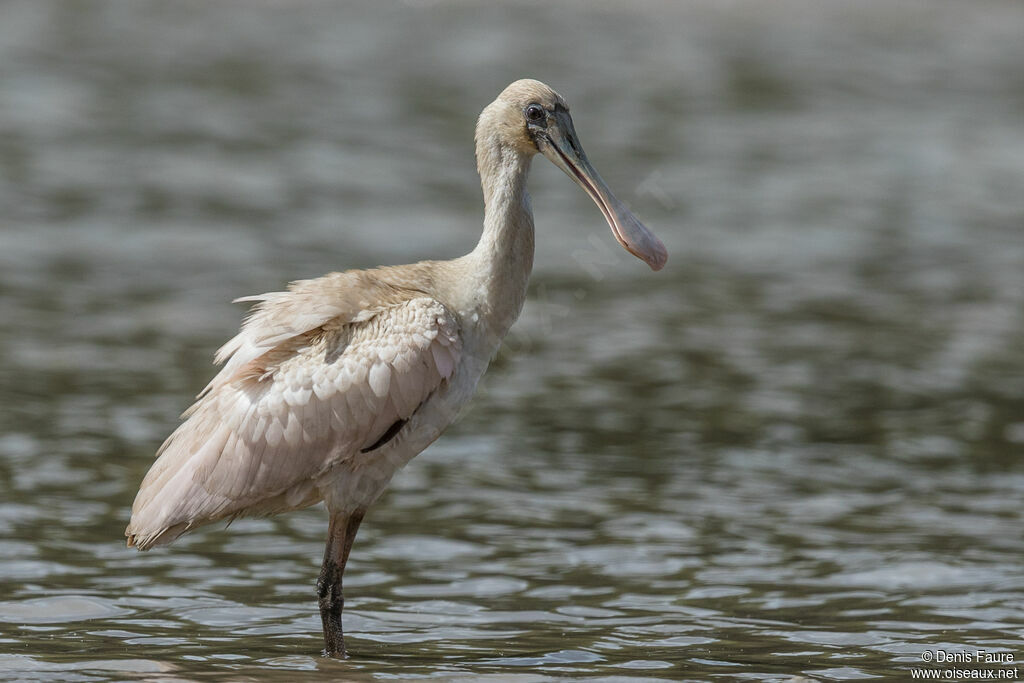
(334, 641)
(336, 652)
(331, 605)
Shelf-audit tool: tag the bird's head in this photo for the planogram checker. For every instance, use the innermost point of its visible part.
(529, 117)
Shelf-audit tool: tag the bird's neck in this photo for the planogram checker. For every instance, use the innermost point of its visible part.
(504, 256)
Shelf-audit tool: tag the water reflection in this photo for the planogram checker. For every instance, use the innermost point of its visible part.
(795, 451)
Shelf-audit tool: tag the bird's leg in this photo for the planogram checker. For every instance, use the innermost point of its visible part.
(340, 534)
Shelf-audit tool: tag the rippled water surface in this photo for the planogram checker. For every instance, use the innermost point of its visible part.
(795, 451)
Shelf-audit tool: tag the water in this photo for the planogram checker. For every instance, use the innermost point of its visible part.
(796, 451)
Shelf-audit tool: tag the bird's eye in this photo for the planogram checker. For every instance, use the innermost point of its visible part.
(534, 112)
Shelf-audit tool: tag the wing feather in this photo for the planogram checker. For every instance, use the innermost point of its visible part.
(279, 317)
(296, 396)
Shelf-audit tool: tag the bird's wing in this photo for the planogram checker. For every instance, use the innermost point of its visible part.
(297, 395)
(277, 317)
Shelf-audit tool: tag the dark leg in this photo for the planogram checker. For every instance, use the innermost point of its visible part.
(340, 534)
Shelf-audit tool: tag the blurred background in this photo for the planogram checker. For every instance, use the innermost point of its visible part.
(796, 450)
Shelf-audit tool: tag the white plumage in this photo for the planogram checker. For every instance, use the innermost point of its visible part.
(291, 405)
(333, 385)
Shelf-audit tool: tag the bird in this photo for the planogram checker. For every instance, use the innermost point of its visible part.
(332, 386)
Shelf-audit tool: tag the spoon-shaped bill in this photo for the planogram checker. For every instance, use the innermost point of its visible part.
(561, 146)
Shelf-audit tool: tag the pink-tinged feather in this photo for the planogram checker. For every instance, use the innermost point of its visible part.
(380, 378)
(443, 359)
(252, 445)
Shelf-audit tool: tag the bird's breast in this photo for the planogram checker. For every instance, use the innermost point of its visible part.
(356, 482)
